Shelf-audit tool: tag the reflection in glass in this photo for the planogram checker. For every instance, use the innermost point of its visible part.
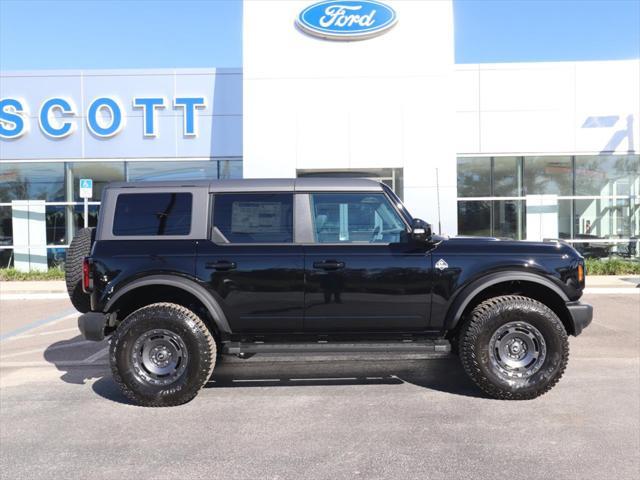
(607, 174)
(173, 170)
(56, 257)
(507, 181)
(474, 218)
(101, 173)
(548, 175)
(6, 258)
(78, 216)
(55, 219)
(602, 218)
(508, 219)
(474, 176)
(229, 169)
(31, 181)
(6, 226)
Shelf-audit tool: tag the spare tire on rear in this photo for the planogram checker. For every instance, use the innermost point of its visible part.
(80, 247)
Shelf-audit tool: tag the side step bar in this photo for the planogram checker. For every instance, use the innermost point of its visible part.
(421, 346)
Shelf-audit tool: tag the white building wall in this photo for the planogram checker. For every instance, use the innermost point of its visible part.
(382, 102)
(548, 108)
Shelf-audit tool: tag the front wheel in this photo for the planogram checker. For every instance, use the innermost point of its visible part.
(162, 355)
(513, 347)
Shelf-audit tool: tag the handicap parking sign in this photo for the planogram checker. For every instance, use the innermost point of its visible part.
(86, 188)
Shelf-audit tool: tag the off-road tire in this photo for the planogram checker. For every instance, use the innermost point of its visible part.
(199, 342)
(80, 247)
(475, 338)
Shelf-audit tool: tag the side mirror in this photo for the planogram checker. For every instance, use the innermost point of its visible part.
(420, 230)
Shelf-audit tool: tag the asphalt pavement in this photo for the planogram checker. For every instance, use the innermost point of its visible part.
(352, 416)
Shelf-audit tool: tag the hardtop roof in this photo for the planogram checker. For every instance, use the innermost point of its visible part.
(306, 184)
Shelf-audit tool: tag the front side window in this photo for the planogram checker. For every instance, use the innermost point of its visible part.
(355, 218)
(152, 214)
(254, 218)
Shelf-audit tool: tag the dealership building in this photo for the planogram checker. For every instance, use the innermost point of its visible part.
(520, 150)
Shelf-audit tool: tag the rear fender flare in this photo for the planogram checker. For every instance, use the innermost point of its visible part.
(188, 285)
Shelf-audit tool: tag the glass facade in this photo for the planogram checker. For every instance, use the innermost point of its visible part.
(598, 198)
(57, 183)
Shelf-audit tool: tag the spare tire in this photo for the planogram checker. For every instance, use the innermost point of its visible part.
(80, 247)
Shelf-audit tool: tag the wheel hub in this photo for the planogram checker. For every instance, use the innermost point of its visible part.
(160, 356)
(517, 349)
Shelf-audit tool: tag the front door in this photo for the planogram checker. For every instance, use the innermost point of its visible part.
(362, 272)
(251, 264)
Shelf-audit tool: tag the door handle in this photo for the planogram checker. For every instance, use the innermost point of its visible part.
(329, 265)
(222, 265)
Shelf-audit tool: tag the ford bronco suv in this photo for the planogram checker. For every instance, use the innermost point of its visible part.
(177, 273)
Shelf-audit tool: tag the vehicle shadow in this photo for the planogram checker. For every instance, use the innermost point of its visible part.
(81, 361)
(71, 357)
(440, 374)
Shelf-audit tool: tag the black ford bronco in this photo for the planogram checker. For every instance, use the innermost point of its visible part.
(177, 273)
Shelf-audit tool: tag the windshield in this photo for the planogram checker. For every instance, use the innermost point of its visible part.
(399, 205)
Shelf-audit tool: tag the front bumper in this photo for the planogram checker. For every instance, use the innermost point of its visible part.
(581, 315)
(92, 325)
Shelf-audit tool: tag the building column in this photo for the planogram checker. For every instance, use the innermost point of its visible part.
(29, 235)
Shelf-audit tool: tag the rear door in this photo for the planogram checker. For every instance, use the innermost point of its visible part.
(251, 264)
(362, 273)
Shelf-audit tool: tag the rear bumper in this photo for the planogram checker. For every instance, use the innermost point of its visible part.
(92, 325)
(581, 315)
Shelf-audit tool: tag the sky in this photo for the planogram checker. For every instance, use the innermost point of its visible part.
(89, 34)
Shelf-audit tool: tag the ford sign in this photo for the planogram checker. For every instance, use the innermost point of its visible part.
(347, 19)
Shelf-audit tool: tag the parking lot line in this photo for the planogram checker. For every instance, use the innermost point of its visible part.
(48, 332)
(97, 356)
(34, 296)
(39, 323)
(42, 349)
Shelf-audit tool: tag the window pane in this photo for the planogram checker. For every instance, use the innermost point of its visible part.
(254, 218)
(607, 174)
(153, 214)
(603, 218)
(56, 257)
(353, 217)
(173, 170)
(6, 258)
(474, 177)
(101, 173)
(508, 219)
(474, 218)
(78, 216)
(547, 175)
(506, 180)
(564, 219)
(32, 181)
(6, 226)
(55, 219)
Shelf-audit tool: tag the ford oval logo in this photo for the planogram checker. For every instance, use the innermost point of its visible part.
(347, 19)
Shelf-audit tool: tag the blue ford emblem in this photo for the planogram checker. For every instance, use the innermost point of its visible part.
(347, 19)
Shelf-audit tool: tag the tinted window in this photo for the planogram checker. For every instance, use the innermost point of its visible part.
(153, 214)
(254, 218)
(355, 217)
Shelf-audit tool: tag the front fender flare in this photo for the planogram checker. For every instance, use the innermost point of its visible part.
(468, 293)
(182, 283)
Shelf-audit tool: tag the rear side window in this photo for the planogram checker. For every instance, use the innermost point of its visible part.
(153, 214)
(254, 218)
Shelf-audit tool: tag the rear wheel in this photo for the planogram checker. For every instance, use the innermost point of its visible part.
(514, 347)
(80, 247)
(162, 355)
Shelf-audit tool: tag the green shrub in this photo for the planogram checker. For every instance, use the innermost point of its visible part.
(612, 266)
(11, 274)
